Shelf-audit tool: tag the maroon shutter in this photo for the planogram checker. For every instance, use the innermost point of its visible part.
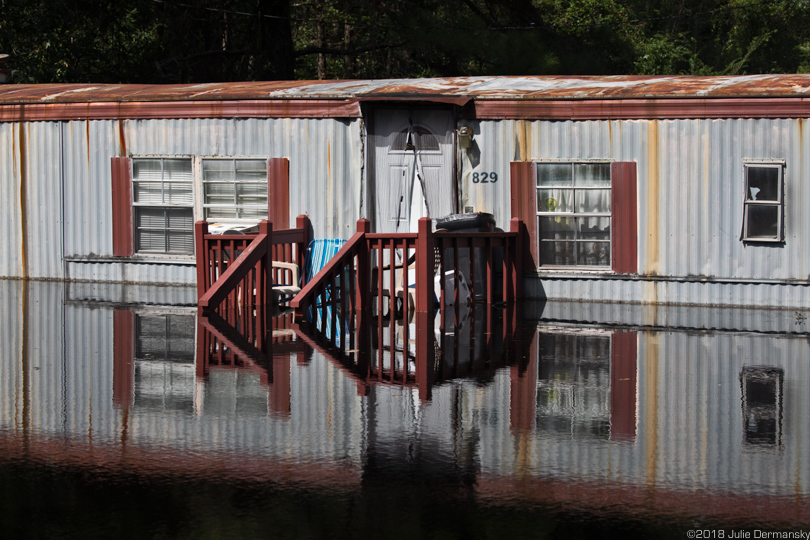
(523, 178)
(623, 377)
(278, 193)
(624, 222)
(123, 243)
(123, 357)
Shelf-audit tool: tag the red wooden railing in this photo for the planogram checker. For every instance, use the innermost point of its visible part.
(366, 268)
(236, 270)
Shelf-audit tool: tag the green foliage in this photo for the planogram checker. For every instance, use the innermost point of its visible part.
(153, 41)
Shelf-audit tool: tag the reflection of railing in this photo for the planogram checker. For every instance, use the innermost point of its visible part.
(234, 269)
(424, 351)
(400, 269)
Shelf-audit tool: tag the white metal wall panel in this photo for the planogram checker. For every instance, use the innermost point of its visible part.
(10, 209)
(747, 295)
(325, 158)
(666, 316)
(325, 178)
(690, 200)
(132, 272)
(132, 294)
(88, 147)
(31, 227)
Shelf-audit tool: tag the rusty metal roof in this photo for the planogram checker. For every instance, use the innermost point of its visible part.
(455, 89)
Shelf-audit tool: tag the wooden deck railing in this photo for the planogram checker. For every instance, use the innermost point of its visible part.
(237, 270)
(375, 272)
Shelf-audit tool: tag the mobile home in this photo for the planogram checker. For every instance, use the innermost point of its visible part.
(649, 190)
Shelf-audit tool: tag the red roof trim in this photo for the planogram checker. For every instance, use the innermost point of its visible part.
(293, 108)
(606, 109)
(621, 109)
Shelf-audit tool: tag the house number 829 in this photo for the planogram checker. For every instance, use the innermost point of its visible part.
(485, 178)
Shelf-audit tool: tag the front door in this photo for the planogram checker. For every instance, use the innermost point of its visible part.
(411, 167)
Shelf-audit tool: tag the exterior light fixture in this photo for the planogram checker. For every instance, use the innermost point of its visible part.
(465, 136)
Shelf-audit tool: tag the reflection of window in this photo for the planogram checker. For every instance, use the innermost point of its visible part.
(573, 213)
(164, 361)
(762, 221)
(163, 200)
(762, 404)
(574, 383)
(234, 188)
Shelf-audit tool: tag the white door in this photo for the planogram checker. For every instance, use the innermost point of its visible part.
(411, 167)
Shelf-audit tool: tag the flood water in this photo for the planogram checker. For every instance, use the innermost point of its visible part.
(124, 416)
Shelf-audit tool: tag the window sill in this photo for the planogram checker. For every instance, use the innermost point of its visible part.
(572, 271)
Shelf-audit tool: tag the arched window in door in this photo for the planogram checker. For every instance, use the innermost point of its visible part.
(420, 137)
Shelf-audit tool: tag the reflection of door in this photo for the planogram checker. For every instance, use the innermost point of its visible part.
(404, 146)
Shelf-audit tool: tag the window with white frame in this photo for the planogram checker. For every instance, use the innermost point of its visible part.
(573, 213)
(163, 206)
(764, 202)
(234, 189)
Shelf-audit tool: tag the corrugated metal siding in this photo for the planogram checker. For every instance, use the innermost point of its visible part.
(593, 289)
(325, 178)
(325, 158)
(132, 294)
(135, 272)
(667, 316)
(690, 199)
(31, 165)
(10, 218)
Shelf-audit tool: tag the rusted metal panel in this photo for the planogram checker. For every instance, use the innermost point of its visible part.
(553, 97)
(627, 109)
(178, 109)
(492, 88)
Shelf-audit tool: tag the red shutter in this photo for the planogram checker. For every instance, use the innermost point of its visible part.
(123, 357)
(123, 243)
(624, 221)
(623, 377)
(278, 192)
(523, 178)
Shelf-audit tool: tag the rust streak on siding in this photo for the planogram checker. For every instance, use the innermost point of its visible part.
(23, 168)
(652, 262)
(522, 140)
(122, 140)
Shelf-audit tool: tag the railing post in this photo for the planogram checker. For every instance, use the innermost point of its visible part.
(200, 230)
(302, 222)
(516, 226)
(266, 275)
(363, 271)
(424, 266)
